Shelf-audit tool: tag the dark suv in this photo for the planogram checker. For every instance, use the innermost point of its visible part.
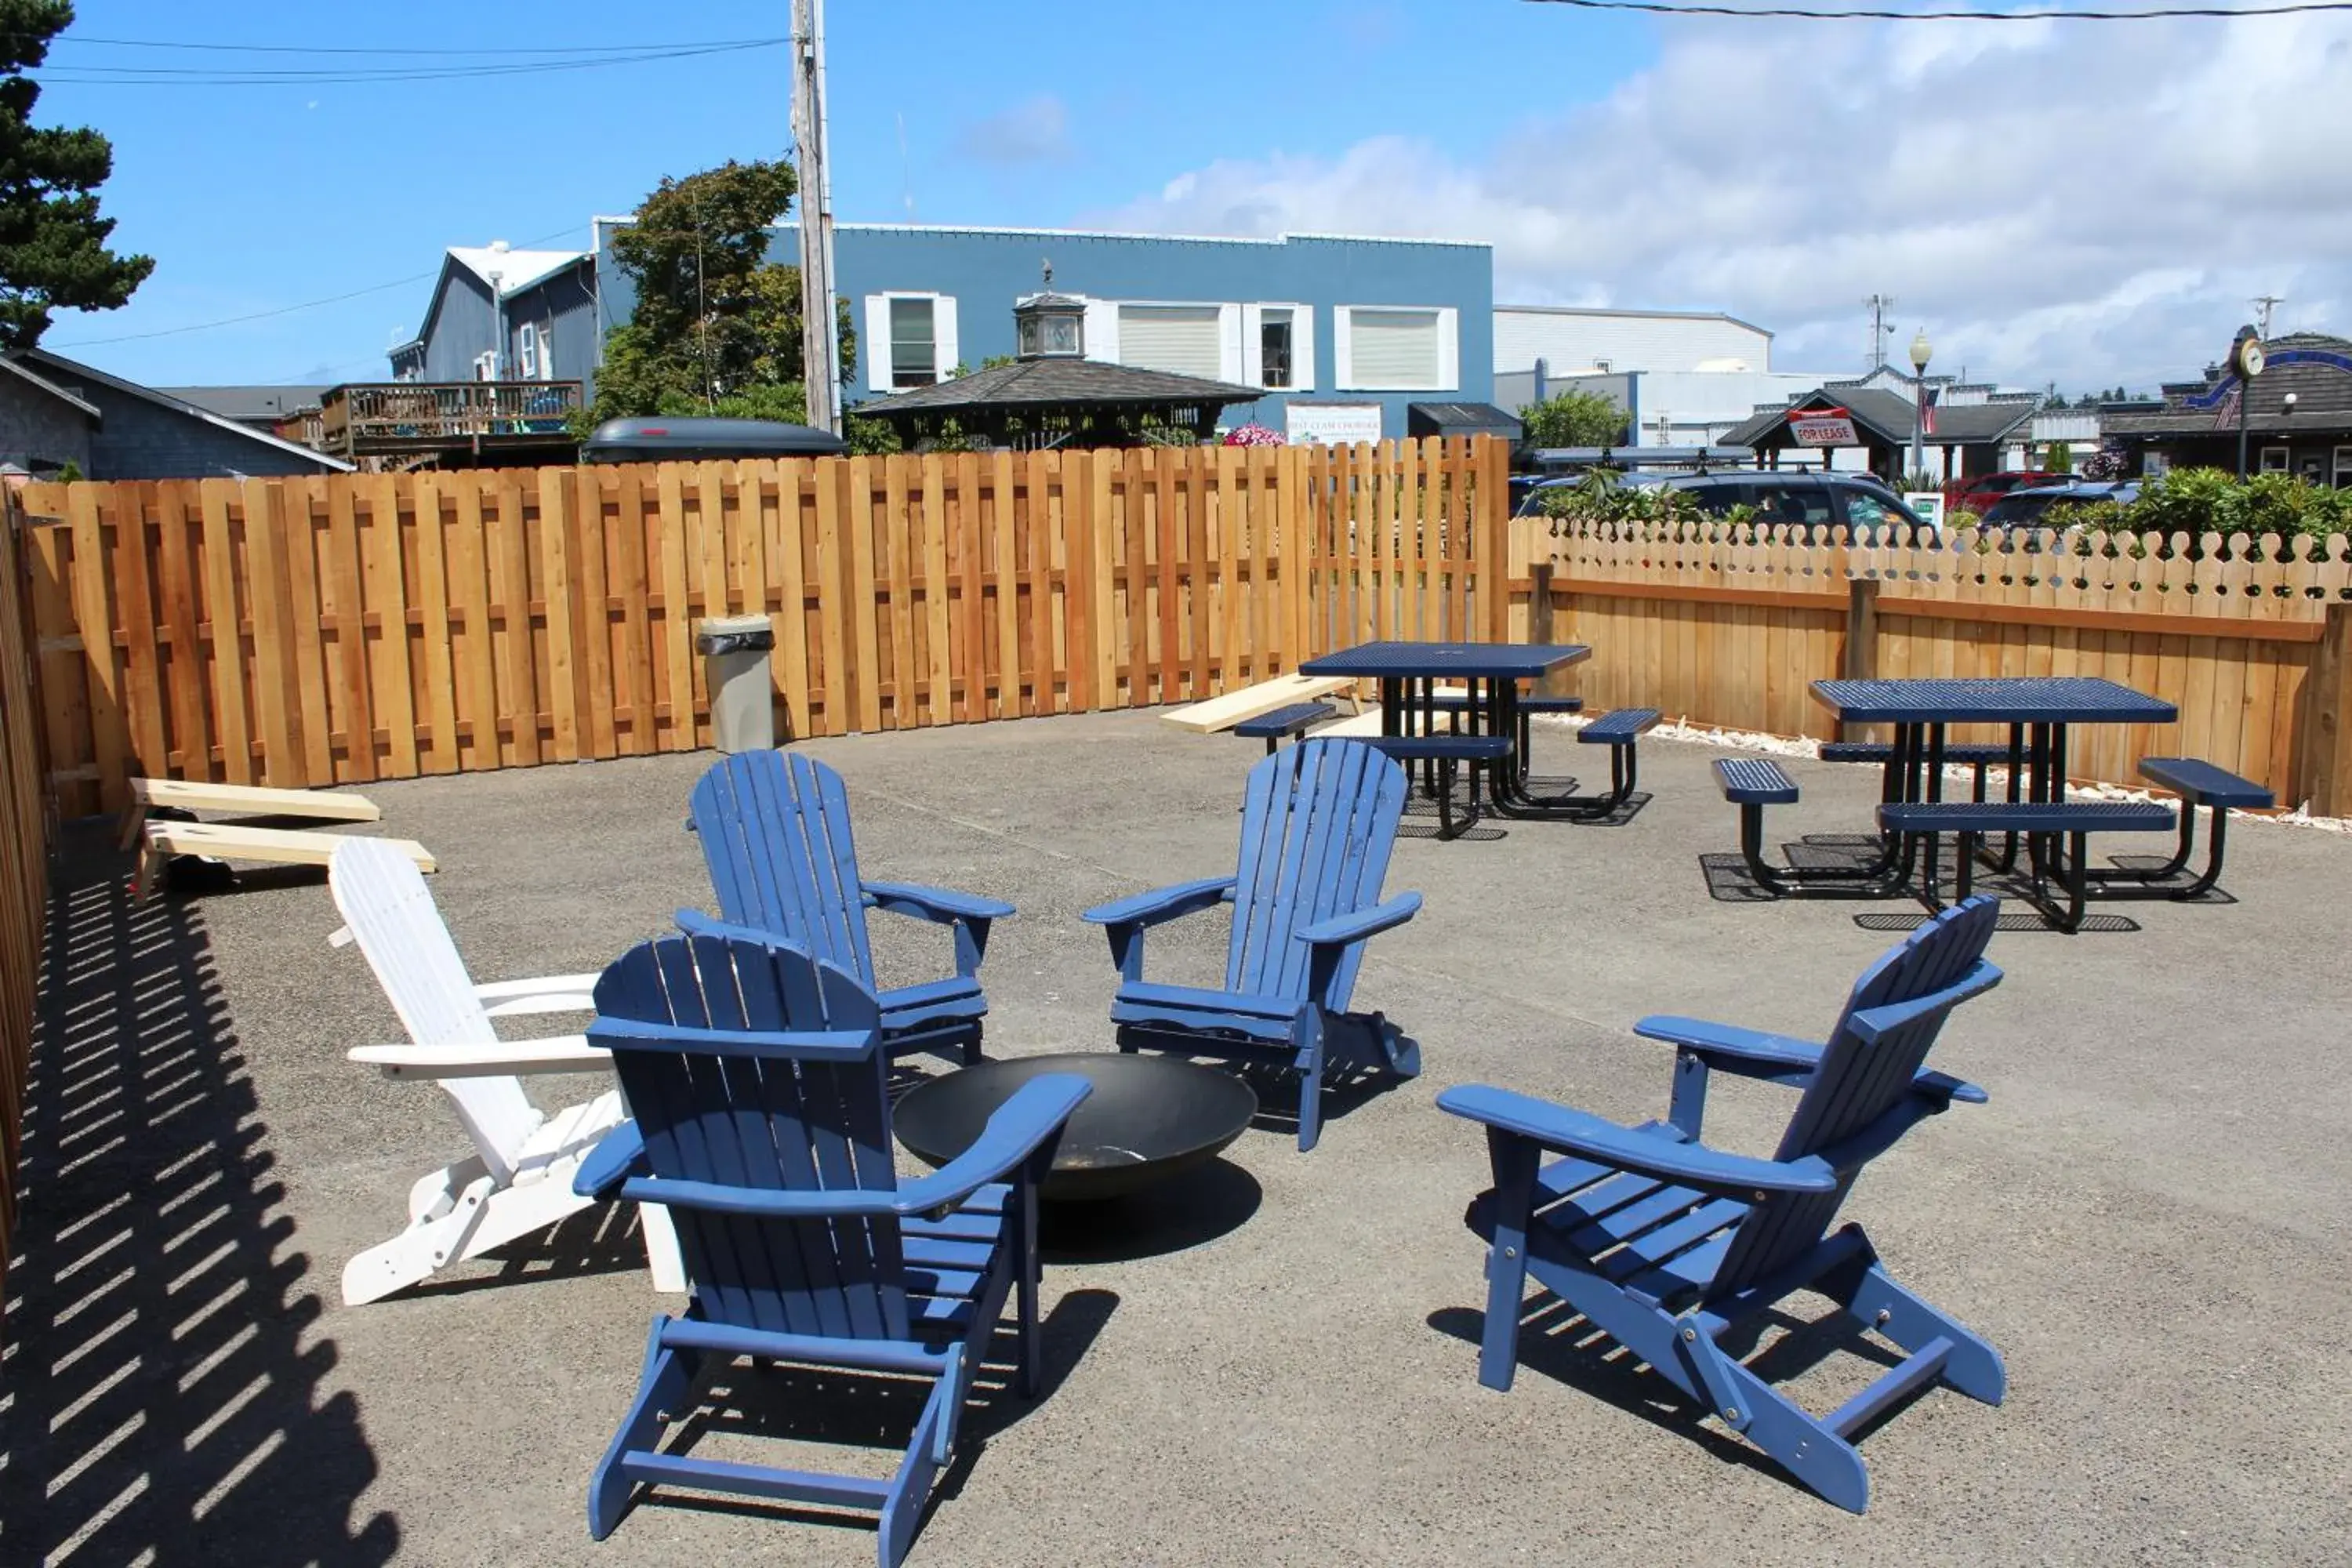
(1814, 500)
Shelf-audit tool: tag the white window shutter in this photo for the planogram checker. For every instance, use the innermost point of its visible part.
(1302, 348)
(876, 349)
(1102, 330)
(944, 342)
(1343, 359)
(1253, 345)
(1229, 343)
(1449, 349)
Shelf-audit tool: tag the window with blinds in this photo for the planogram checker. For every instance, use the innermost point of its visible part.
(914, 347)
(1180, 339)
(1396, 349)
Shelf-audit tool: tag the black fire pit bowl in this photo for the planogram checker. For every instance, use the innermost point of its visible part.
(1148, 1117)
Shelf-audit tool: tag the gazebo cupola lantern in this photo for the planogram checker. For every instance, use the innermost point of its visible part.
(1050, 326)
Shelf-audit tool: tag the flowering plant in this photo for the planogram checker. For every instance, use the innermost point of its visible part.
(1253, 434)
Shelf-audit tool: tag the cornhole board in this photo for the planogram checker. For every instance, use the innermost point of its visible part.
(248, 799)
(228, 841)
(1224, 712)
(1366, 723)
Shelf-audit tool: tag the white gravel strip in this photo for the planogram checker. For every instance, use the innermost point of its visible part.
(1799, 746)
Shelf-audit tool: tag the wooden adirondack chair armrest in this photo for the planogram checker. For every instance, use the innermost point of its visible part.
(1018, 1129)
(1595, 1137)
(1874, 1023)
(938, 905)
(969, 915)
(1129, 918)
(549, 993)
(497, 1058)
(1946, 1088)
(1751, 1053)
(694, 922)
(618, 1155)
(1358, 924)
(1163, 904)
(626, 1033)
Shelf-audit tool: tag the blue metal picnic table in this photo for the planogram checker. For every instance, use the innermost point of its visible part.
(2038, 710)
(1407, 673)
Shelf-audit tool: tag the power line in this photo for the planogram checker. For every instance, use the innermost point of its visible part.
(1791, 12)
(379, 49)
(284, 309)
(189, 76)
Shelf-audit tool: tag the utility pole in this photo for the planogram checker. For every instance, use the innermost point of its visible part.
(1879, 306)
(820, 353)
(2263, 305)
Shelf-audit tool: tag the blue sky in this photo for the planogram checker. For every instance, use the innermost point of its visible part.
(2054, 203)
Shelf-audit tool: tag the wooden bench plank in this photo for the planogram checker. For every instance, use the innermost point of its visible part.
(1226, 711)
(195, 795)
(1366, 723)
(228, 841)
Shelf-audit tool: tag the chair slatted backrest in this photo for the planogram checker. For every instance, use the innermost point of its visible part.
(774, 827)
(1318, 825)
(383, 898)
(1858, 1082)
(715, 1106)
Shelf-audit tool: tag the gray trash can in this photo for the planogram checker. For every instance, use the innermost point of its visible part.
(735, 650)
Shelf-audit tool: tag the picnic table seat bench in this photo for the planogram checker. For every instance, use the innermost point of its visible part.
(1453, 705)
(1975, 756)
(2198, 783)
(1449, 752)
(1970, 820)
(1752, 784)
(1619, 730)
(1293, 720)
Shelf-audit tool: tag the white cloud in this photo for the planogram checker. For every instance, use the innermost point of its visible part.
(2084, 202)
(1036, 130)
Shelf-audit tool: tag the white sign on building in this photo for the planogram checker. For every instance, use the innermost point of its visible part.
(1331, 424)
(1824, 427)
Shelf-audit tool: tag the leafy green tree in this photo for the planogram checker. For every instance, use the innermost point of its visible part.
(1574, 419)
(2058, 457)
(53, 253)
(715, 320)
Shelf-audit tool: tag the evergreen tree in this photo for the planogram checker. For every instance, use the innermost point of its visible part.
(53, 252)
(716, 322)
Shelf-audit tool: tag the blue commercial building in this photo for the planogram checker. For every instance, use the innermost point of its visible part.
(1344, 334)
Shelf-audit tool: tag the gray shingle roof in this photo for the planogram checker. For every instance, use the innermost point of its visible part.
(1888, 415)
(1058, 383)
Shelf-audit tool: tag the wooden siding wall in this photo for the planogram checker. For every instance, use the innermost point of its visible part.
(350, 627)
(24, 866)
(1728, 626)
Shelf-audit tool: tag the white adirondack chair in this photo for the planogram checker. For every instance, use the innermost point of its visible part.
(519, 1178)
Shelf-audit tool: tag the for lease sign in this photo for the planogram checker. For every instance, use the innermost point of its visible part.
(1824, 427)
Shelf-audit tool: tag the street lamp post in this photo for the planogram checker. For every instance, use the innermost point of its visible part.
(1920, 350)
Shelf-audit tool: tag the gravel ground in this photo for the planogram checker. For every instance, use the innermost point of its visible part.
(1274, 1364)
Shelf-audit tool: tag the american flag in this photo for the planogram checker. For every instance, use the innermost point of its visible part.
(2226, 413)
(1927, 409)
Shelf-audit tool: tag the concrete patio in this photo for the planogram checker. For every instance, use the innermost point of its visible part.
(2152, 1219)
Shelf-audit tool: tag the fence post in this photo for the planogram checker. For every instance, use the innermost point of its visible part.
(2326, 773)
(1495, 535)
(1860, 661)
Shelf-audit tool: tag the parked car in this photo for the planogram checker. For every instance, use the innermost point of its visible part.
(1977, 492)
(1814, 500)
(1528, 490)
(698, 440)
(2043, 506)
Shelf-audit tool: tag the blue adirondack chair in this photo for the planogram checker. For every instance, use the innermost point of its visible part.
(1318, 825)
(756, 1077)
(774, 827)
(1669, 1247)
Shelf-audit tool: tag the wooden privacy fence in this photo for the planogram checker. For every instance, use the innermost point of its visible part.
(24, 867)
(2251, 638)
(350, 627)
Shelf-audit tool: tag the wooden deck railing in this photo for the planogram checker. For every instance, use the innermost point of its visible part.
(361, 419)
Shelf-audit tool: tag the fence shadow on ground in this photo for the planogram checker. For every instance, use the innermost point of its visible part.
(160, 1396)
